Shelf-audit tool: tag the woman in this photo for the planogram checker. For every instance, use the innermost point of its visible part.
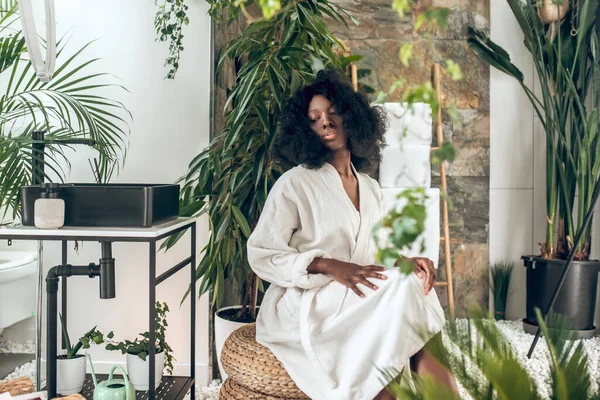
(331, 316)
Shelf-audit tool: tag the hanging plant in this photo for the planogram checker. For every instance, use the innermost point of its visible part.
(553, 10)
(168, 23)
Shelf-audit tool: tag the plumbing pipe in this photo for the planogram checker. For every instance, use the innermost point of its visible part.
(107, 272)
(52, 279)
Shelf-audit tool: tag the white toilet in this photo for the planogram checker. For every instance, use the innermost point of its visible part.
(17, 286)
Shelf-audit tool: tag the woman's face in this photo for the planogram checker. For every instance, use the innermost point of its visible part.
(327, 123)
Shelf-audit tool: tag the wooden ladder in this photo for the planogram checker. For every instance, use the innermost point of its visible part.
(445, 238)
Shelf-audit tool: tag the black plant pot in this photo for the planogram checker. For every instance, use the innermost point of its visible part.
(576, 299)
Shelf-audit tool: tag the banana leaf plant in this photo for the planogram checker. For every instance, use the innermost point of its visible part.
(230, 179)
(566, 57)
(70, 106)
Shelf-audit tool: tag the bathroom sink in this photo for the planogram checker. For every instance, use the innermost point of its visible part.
(115, 205)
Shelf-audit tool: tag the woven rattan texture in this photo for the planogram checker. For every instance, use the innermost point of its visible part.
(253, 366)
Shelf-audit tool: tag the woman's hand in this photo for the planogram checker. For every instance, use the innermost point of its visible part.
(424, 269)
(348, 274)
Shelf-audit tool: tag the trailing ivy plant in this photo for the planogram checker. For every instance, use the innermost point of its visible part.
(427, 22)
(400, 228)
(84, 342)
(140, 346)
(168, 23)
(404, 224)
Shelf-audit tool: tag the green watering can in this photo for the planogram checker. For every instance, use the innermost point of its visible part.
(112, 389)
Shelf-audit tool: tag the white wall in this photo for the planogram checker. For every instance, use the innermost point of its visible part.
(511, 158)
(517, 164)
(170, 126)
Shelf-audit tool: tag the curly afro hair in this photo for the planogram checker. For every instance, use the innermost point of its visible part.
(296, 143)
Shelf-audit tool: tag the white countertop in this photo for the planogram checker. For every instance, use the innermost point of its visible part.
(31, 232)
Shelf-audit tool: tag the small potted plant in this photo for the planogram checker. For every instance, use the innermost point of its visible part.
(137, 351)
(500, 274)
(71, 366)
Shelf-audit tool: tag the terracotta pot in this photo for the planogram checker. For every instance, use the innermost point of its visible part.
(550, 12)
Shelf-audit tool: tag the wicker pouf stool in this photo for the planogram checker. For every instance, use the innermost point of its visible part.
(234, 391)
(253, 370)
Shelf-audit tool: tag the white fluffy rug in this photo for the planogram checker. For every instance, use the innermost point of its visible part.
(537, 366)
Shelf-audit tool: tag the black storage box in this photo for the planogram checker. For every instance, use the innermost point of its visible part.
(117, 205)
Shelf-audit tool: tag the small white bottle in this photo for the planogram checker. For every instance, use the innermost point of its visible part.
(49, 210)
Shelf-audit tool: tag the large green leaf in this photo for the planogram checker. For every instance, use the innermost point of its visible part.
(492, 54)
(587, 18)
(521, 13)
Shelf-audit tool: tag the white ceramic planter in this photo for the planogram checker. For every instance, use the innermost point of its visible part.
(137, 370)
(224, 328)
(70, 375)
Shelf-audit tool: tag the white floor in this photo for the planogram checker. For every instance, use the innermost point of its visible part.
(537, 366)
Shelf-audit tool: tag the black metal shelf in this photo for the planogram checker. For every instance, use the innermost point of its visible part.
(171, 387)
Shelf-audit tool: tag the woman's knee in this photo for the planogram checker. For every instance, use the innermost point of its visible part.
(433, 349)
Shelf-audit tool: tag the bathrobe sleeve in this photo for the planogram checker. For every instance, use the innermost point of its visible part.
(269, 252)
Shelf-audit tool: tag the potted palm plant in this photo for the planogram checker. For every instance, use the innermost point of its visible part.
(566, 57)
(67, 109)
(71, 366)
(230, 179)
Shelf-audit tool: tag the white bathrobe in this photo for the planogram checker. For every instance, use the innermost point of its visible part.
(332, 343)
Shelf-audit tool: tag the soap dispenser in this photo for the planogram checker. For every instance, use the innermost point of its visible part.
(49, 210)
